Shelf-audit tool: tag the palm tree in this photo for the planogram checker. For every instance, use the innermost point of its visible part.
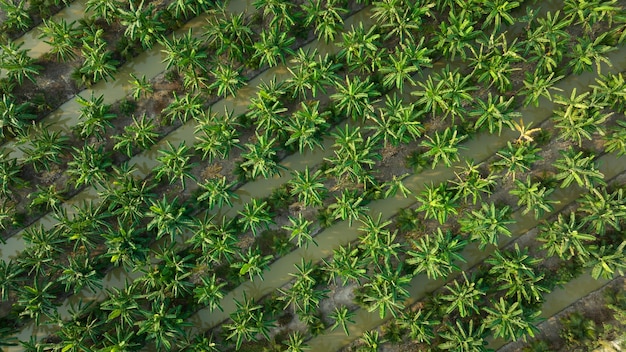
(62, 37)
(218, 242)
(387, 291)
(463, 337)
(342, 316)
(354, 98)
(244, 320)
(141, 133)
(603, 209)
(46, 146)
(14, 117)
(306, 126)
(487, 224)
(17, 63)
(309, 188)
(121, 341)
(254, 215)
(372, 341)
(94, 117)
(464, 297)
(435, 254)
(300, 229)
(398, 122)
(347, 264)
(89, 165)
(141, 24)
(209, 293)
(261, 158)
(163, 324)
(16, 15)
(126, 245)
(10, 172)
(539, 85)
(123, 305)
(140, 86)
(573, 166)
(168, 218)
(227, 80)
(443, 147)
(471, 183)
(420, 326)
(252, 263)
(217, 192)
(296, 343)
(79, 273)
(580, 118)
(456, 36)
(578, 329)
(327, 20)
(516, 272)
(274, 45)
(510, 320)
(588, 13)
(588, 51)
(36, 301)
(105, 9)
(99, 62)
(218, 135)
(615, 139)
(606, 261)
(174, 164)
(182, 108)
(494, 112)
(348, 206)
(517, 158)
(182, 52)
(361, 48)
(566, 238)
(280, 12)
(437, 202)
(534, 196)
(9, 278)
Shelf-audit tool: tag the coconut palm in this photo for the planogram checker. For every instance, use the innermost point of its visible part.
(168, 217)
(306, 125)
(252, 263)
(140, 86)
(566, 238)
(14, 117)
(9, 278)
(36, 301)
(209, 293)
(326, 19)
(607, 261)
(123, 305)
(99, 62)
(419, 324)
(163, 324)
(471, 183)
(510, 320)
(16, 15)
(217, 192)
(387, 291)
(174, 164)
(254, 215)
(62, 37)
(216, 135)
(437, 202)
(94, 117)
(516, 272)
(574, 166)
(46, 146)
(260, 159)
(10, 177)
(443, 147)
(217, 241)
(534, 196)
(141, 23)
(354, 97)
(347, 264)
(494, 112)
(604, 211)
(309, 188)
(436, 254)
(89, 165)
(17, 63)
(227, 80)
(273, 46)
(126, 245)
(361, 48)
(398, 122)
(455, 37)
(487, 224)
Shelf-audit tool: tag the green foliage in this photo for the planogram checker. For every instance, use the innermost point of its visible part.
(566, 237)
(574, 166)
(62, 37)
(437, 202)
(174, 163)
(436, 254)
(443, 147)
(141, 133)
(487, 224)
(534, 196)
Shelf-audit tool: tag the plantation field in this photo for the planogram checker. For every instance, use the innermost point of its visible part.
(312, 175)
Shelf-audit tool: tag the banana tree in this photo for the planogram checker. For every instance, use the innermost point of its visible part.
(217, 241)
(487, 224)
(471, 183)
(443, 147)
(566, 237)
(89, 165)
(575, 166)
(309, 188)
(326, 18)
(254, 215)
(436, 254)
(174, 163)
(260, 159)
(123, 305)
(494, 113)
(163, 324)
(209, 293)
(437, 202)
(534, 196)
(62, 37)
(306, 126)
(354, 97)
(419, 324)
(168, 217)
(46, 147)
(141, 23)
(510, 320)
